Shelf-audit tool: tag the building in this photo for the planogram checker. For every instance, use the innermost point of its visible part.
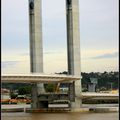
(5, 94)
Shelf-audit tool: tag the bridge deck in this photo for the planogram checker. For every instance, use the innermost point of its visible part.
(94, 94)
(37, 78)
(99, 96)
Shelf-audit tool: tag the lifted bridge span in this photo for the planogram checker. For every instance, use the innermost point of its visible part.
(37, 78)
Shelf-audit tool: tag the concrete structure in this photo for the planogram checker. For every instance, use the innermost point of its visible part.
(37, 78)
(91, 87)
(73, 45)
(73, 48)
(48, 97)
(5, 94)
(36, 50)
(99, 96)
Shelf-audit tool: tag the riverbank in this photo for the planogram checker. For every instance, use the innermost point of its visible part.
(84, 108)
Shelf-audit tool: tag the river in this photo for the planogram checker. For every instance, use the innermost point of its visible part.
(59, 116)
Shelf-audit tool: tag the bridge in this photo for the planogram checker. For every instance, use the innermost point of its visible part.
(37, 78)
(99, 96)
(53, 78)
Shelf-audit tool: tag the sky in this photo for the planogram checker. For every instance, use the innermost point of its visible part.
(98, 36)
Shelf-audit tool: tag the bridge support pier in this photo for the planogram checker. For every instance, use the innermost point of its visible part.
(36, 104)
(34, 97)
(36, 49)
(73, 48)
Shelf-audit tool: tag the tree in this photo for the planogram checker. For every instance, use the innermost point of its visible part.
(50, 87)
(24, 90)
(13, 96)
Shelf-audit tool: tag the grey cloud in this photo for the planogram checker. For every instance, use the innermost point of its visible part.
(52, 52)
(109, 55)
(9, 63)
(45, 52)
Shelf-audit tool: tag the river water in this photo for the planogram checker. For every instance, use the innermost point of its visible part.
(59, 116)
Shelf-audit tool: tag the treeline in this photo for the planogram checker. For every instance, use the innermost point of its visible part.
(15, 86)
(106, 80)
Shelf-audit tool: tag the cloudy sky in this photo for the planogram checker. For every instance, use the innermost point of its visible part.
(98, 36)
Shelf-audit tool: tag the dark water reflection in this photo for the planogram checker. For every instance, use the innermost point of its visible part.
(59, 116)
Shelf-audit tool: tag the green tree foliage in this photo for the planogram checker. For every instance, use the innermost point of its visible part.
(13, 96)
(104, 79)
(24, 90)
(50, 87)
(14, 86)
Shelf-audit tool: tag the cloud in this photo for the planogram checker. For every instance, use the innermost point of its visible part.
(108, 55)
(9, 63)
(14, 67)
(44, 52)
(53, 52)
